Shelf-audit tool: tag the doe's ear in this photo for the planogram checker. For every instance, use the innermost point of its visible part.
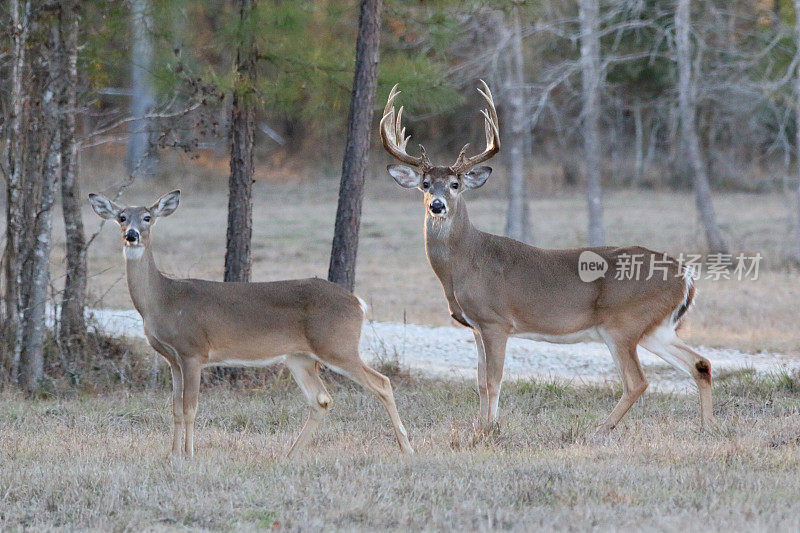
(405, 176)
(167, 204)
(104, 207)
(476, 177)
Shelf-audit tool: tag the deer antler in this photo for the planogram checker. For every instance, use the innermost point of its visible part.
(393, 135)
(492, 129)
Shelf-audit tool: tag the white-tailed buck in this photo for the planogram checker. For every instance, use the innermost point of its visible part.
(499, 287)
(195, 323)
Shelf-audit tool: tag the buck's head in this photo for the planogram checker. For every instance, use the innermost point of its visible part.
(135, 221)
(441, 185)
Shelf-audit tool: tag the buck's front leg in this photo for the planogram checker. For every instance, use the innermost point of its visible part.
(483, 393)
(494, 347)
(455, 310)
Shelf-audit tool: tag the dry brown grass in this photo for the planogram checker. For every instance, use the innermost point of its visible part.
(99, 462)
(294, 224)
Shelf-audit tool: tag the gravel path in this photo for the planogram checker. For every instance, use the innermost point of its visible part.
(449, 352)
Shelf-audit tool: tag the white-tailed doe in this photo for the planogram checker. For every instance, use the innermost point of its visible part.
(499, 287)
(195, 323)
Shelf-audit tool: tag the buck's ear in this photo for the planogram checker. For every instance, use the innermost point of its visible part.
(167, 204)
(104, 207)
(405, 176)
(476, 177)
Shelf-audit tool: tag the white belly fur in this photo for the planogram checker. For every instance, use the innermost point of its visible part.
(255, 363)
(584, 335)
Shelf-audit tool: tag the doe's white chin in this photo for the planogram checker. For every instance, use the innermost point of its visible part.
(133, 253)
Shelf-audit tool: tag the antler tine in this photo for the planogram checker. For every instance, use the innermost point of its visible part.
(390, 100)
(400, 131)
(393, 134)
(491, 130)
(487, 95)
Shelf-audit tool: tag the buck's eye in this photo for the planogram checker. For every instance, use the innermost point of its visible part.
(425, 184)
(123, 218)
(146, 218)
(454, 185)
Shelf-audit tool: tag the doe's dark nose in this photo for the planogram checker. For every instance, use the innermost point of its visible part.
(131, 236)
(437, 206)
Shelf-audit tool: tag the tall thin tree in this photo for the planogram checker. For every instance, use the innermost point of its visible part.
(72, 333)
(240, 183)
(36, 272)
(141, 157)
(797, 119)
(14, 157)
(589, 15)
(342, 268)
(518, 224)
(686, 104)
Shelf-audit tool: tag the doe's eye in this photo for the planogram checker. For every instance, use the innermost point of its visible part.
(123, 218)
(454, 185)
(425, 184)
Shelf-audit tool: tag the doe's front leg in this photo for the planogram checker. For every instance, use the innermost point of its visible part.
(191, 369)
(177, 407)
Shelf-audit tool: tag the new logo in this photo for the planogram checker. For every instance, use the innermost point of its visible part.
(591, 266)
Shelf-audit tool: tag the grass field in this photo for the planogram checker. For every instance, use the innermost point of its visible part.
(100, 462)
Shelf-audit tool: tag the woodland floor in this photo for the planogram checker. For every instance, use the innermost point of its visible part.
(99, 462)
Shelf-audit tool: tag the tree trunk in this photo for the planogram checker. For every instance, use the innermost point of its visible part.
(686, 90)
(797, 125)
(72, 332)
(141, 158)
(240, 184)
(342, 268)
(14, 156)
(638, 167)
(589, 14)
(37, 268)
(518, 225)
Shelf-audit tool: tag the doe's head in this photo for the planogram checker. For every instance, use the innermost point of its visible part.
(441, 185)
(135, 221)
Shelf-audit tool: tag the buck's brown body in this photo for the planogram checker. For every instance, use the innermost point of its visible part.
(516, 283)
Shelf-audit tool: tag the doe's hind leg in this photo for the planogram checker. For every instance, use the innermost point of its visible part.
(306, 374)
(353, 367)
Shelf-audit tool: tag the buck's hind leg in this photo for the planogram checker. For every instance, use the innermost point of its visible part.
(674, 351)
(306, 373)
(634, 382)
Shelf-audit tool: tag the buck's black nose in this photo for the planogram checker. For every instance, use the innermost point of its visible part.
(437, 206)
(131, 236)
